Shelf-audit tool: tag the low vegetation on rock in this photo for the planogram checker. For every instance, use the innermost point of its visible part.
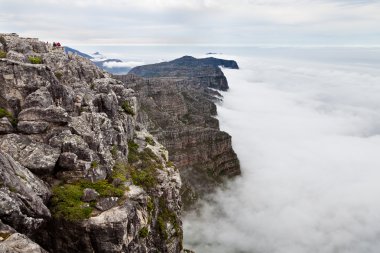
(3, 54)
(143, 233)
(35, 59)
(67, 203)
(128, 109)
(150, 141)
(58, 75)
(11, 118)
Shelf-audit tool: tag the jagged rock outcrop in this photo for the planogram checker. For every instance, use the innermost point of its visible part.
(179, 109)
(74, 126)
(205, 72)
(23, 196)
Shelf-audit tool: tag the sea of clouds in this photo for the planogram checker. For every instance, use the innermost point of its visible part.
(308, 138)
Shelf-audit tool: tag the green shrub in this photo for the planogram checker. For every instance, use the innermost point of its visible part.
(149, 205)
(133, 154)
(3, 54)
(58, 75)
(4, 113)
(11, 118)
(128, 109)
(170, 164)
(114, 151)
(35, 59)
(143, 233)
(94, 164)
(150, 141)
(162, 227)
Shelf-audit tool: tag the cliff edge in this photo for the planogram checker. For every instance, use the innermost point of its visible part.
(177, 105)
(78, 172)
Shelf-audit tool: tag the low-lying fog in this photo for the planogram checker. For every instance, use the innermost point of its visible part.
(307, 136)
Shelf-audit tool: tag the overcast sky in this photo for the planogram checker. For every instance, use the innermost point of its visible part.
(280, 22)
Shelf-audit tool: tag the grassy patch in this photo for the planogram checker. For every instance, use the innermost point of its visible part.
(166, 216)
(3, 54)
(94, 164)
(66, 201)
(142, 167)
(35, 59)
(128, 109)
(114, 151)
(133, 154)
(11, 118)
(104, 188)
(144, 178)
(150, 205)
(150, 141)
(120, 171)
(143, 233)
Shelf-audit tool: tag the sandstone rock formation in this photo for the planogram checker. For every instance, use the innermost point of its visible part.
(178, 107)
(66, 129)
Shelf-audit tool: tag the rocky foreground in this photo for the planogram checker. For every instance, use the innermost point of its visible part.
(82, 167)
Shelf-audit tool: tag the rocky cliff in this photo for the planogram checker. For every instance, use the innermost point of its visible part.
(205, 72)
(78, 172)
(178, 107)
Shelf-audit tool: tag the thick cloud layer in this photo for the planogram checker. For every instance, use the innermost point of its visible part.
(308, 137)
(129, 64)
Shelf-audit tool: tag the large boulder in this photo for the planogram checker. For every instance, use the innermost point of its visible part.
(22, 196)
(19, 243)
(38, 157)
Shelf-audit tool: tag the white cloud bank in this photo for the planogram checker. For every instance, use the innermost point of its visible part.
(128, 64)
(195, 21)
(308, 137)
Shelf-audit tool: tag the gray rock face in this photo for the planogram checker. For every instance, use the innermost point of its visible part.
(74, 123)
(32, 127)
(22, 196)
(19, 243)
(5, 126)
(38, 157)
(105, 204)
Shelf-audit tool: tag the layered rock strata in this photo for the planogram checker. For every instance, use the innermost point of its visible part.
(177, 105)
(205, 71)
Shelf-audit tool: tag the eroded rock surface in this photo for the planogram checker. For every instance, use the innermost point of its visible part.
(67, 126)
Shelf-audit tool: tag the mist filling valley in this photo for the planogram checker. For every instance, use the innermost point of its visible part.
(307, 136)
